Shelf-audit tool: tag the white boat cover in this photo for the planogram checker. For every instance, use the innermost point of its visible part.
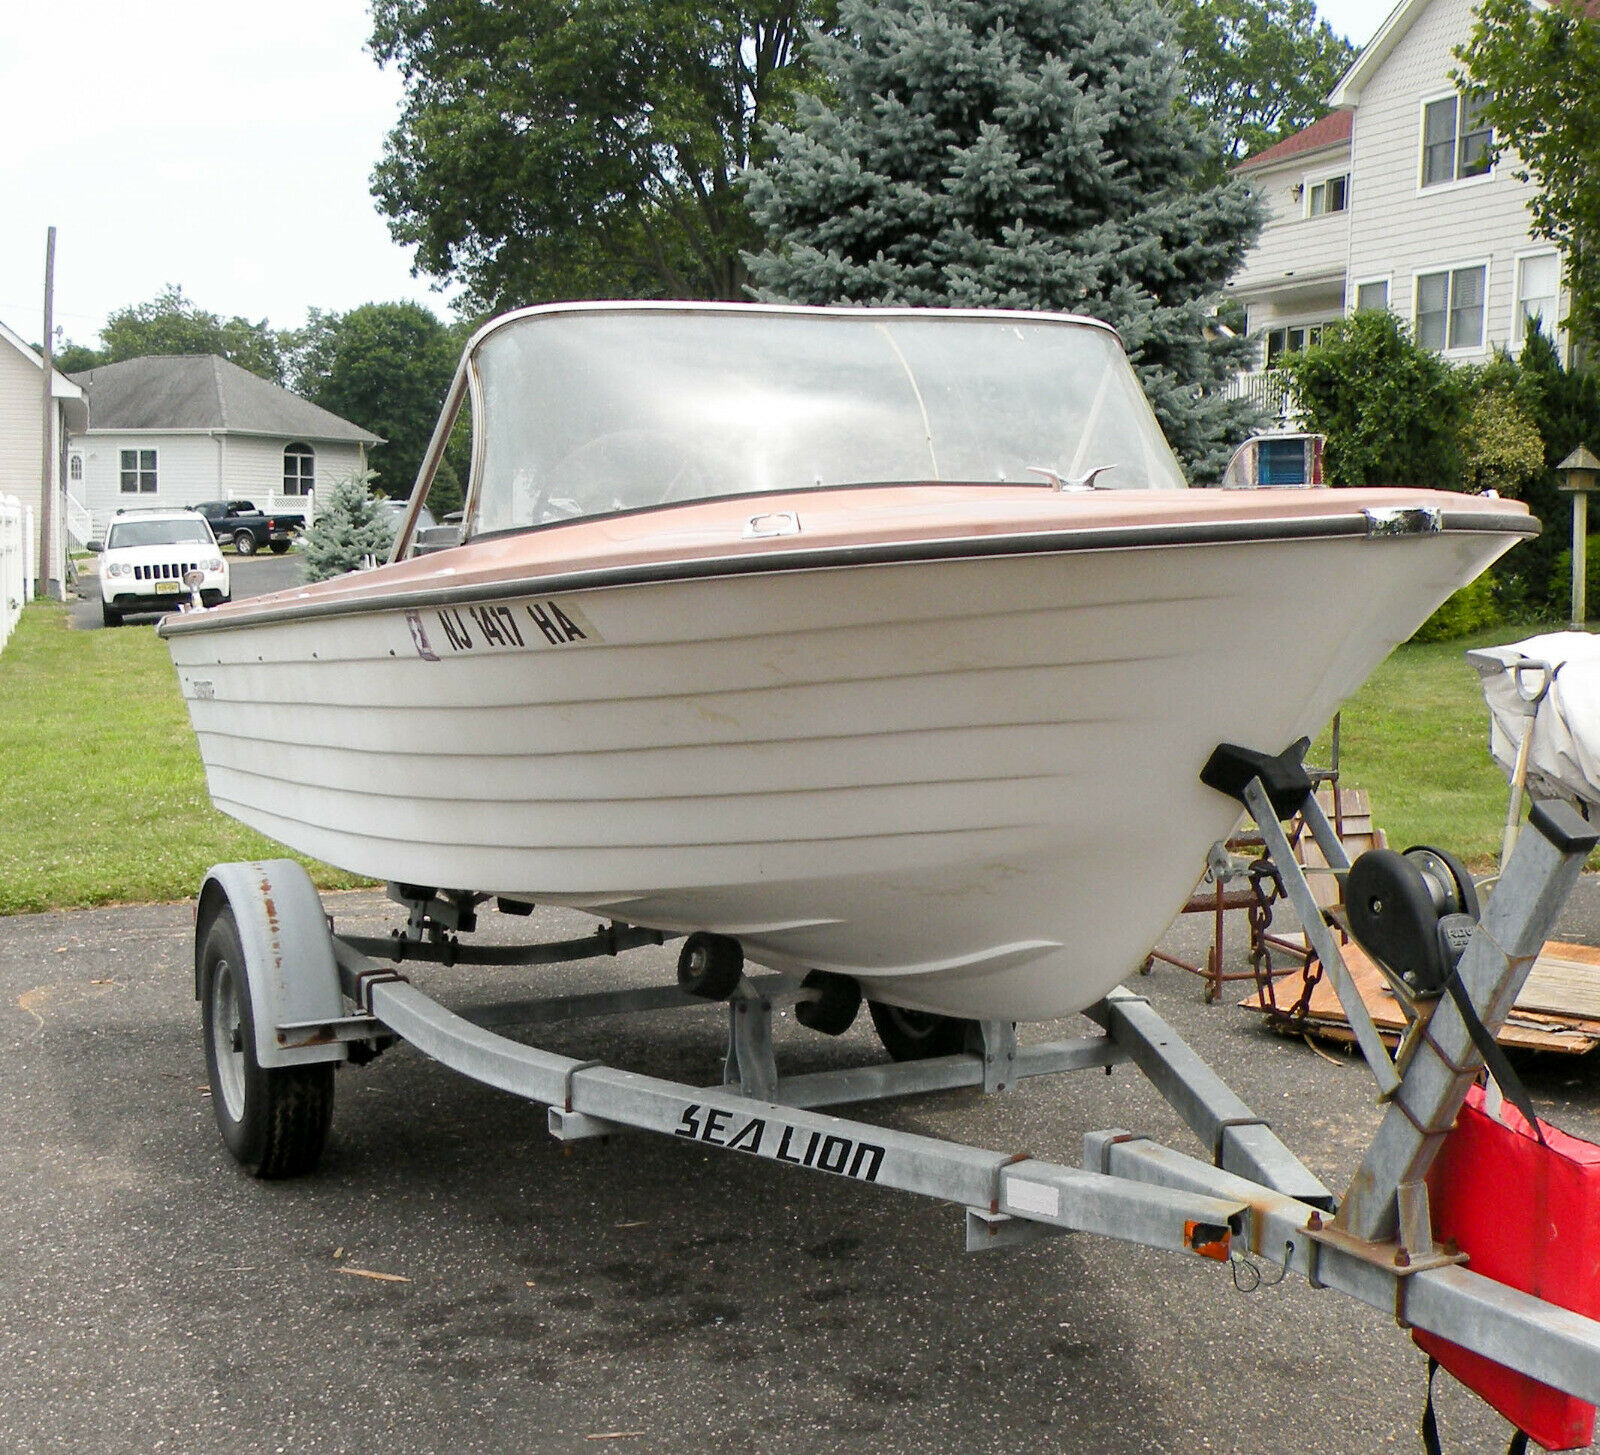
(1564, 757)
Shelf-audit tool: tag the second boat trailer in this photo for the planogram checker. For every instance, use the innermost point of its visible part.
(285, 999)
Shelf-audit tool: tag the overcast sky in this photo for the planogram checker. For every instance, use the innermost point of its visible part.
(221, 146)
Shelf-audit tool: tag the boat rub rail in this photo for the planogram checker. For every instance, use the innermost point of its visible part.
(1354, 523)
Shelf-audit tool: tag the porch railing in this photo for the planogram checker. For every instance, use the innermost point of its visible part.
(80, 523)
(1268, 390)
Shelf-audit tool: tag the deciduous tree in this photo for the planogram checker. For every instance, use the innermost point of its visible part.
(172, 324)
(580, 148)
(386, 367)
(1260, 69)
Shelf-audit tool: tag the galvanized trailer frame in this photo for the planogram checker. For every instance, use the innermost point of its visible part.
(316, 995)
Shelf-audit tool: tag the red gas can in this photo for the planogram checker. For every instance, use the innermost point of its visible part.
(1527, 1215)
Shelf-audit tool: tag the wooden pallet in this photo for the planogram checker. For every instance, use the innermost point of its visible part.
(1558, 1009)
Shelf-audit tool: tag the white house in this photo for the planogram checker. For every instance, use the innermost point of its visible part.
(175, 430)
(1392, 202)
(22, 435)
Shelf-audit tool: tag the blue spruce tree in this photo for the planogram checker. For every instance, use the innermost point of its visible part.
(1031, 154)
(350, 527)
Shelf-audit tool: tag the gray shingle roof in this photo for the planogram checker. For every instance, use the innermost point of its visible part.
(202, 391)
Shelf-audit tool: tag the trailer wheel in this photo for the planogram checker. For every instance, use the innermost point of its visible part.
(833, 1012)
(917, 1035)
(709, 966)
(274, 1120)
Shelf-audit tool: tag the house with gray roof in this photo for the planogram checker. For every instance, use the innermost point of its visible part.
(177, 429)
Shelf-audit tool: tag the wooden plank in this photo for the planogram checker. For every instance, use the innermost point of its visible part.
(1529, 1027)
(1564, 982)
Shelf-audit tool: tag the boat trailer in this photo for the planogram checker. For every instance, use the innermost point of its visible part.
(284, 999)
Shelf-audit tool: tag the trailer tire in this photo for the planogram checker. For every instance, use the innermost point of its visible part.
(918, 1035)
(273, 1120)
(710, 966)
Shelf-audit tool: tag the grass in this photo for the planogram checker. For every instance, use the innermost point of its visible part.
(104, 799)
(1417, 737)
(102, 795)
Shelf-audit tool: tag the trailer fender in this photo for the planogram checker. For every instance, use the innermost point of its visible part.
(288, 953)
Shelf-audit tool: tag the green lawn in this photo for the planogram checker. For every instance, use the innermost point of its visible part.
(102, 796)
(104, 799)
(1417, 737)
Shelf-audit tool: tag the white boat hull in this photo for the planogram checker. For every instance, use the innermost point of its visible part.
(973, 784)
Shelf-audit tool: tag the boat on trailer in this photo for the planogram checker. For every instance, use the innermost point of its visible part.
(883, 644)
(888, 646)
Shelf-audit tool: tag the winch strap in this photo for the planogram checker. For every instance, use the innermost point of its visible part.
(1430, 1423)
(1493, 1057)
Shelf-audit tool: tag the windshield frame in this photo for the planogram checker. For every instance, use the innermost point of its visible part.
(468, 387)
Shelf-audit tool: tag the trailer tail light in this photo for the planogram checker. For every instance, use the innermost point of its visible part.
(1528, 1216)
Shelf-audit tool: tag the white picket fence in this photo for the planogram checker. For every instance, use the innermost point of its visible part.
(16, 562)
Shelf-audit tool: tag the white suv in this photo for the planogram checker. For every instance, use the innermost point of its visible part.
(145, 557)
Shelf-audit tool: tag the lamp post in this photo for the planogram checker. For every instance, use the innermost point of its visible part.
(1580, 477)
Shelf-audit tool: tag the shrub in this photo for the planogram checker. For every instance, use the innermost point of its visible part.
(1391, 409)
(349, 527)
(1470, 609)
(1501, 448)
(1561, 581)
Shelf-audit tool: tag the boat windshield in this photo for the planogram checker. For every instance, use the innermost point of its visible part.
(590, 413)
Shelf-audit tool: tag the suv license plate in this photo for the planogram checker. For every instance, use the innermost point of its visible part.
(168, 588)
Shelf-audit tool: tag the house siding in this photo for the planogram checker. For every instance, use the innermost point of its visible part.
(20, 444)
(1404, 229)
(255, 466)
(1293, 245)
(195, 467)
(187, 470)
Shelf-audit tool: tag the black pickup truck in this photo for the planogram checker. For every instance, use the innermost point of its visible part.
(240, 522)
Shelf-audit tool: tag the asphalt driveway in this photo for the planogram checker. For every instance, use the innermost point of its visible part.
(454, 1280)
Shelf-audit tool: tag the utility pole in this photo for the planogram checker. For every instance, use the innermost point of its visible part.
(49, 556)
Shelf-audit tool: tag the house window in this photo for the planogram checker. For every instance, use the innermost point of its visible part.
(299, 470)
(1291, 340)
(1538, 296)
(75, 467)
(1456, 140)
(1332, 195)
(138, 472)
(1372, 295)
(1450, 309)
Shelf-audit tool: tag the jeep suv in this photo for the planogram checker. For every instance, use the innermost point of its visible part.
(145, 557)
